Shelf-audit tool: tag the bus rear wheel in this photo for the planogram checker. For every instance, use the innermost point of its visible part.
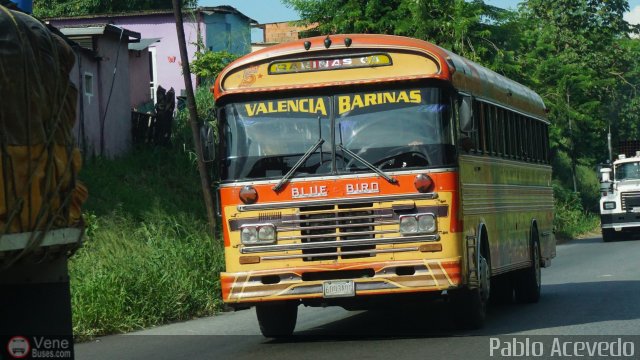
(529, 280)
(501, 289)
(277, 320)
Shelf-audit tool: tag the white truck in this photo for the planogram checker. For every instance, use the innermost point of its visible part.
(620, 197)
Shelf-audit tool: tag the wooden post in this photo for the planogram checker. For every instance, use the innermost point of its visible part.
(193, 117)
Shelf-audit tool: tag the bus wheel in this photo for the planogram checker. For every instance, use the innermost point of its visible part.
(501, 289)
(529, 280)
(470, 305)
(277, 319)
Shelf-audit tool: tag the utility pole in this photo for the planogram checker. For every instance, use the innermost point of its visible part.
(193, 117)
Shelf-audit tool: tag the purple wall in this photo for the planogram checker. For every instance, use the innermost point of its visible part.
(117, 109)
(161, 26)
(87, 127)
(139, 77)
(100, 130)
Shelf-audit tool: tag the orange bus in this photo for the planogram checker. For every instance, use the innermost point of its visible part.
(361, 169)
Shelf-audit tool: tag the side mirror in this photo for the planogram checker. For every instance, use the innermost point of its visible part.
(605, 181)
(208, 139)
(605, 175)
(467, 121)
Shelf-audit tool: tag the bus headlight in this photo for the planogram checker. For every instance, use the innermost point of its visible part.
(258, 234)
(418, 224)
(609, 205)
(408, 224)
(427, 223)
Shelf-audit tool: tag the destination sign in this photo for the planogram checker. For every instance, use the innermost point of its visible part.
(302, 105)
(348, 103)
(359, 61)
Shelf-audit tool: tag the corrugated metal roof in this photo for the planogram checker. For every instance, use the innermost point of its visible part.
(99, 29)
(143, 44)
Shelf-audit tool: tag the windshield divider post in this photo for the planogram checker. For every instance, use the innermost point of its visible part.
(320, 138)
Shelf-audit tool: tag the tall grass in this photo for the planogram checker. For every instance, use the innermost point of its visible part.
(571, 219)
(148, 257)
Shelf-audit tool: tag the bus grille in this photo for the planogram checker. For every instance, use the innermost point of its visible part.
(630, 200)
(339, 223)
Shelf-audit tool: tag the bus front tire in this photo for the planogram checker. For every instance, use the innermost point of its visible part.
(470, 305)
(278, 319)
(529, 280)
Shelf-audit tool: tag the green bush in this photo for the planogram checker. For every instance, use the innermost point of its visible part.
(148, 258)
(588, 187)
(570, 217)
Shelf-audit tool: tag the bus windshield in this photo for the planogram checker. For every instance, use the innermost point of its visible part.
(395, 130)
(391, 130)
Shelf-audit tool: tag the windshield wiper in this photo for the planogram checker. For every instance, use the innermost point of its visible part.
(295, 167)
(368, 164)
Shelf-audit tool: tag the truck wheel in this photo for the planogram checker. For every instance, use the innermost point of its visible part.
(277, 319)
(529, 280)
(609, 235)
(469, 306)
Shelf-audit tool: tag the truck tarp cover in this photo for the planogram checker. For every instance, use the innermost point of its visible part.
(38, 157)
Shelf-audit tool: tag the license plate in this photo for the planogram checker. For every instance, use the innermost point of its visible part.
(341, 288)
(636, 210)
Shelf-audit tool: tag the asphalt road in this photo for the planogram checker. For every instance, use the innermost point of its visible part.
(592, 288)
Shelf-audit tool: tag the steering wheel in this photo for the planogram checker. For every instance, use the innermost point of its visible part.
(410, 157)
(325, 165)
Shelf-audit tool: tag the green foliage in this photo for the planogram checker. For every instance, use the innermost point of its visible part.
(469, 28)
(56, 8)
(578, 56)
(208, 64)
(570, 217)
(206, 113)
(149, 258)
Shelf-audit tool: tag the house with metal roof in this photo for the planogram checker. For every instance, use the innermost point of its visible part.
(102, 73)
(219, 28)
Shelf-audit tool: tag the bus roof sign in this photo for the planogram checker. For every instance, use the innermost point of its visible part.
(334, 63)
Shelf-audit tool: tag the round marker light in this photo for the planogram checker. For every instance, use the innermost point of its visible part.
(423, 183)
(248, 195)
(327, 42)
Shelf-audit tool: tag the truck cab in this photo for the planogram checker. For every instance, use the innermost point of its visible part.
(620, 197)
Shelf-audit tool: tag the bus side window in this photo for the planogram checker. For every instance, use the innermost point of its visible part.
(526, 137)
(539, 141)
(545, 136)
(533, 139)
(521, 140)
(488, 130)
(476, 134)
(495, 133)
(500, 135)
(483, 129)
(511, 141)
